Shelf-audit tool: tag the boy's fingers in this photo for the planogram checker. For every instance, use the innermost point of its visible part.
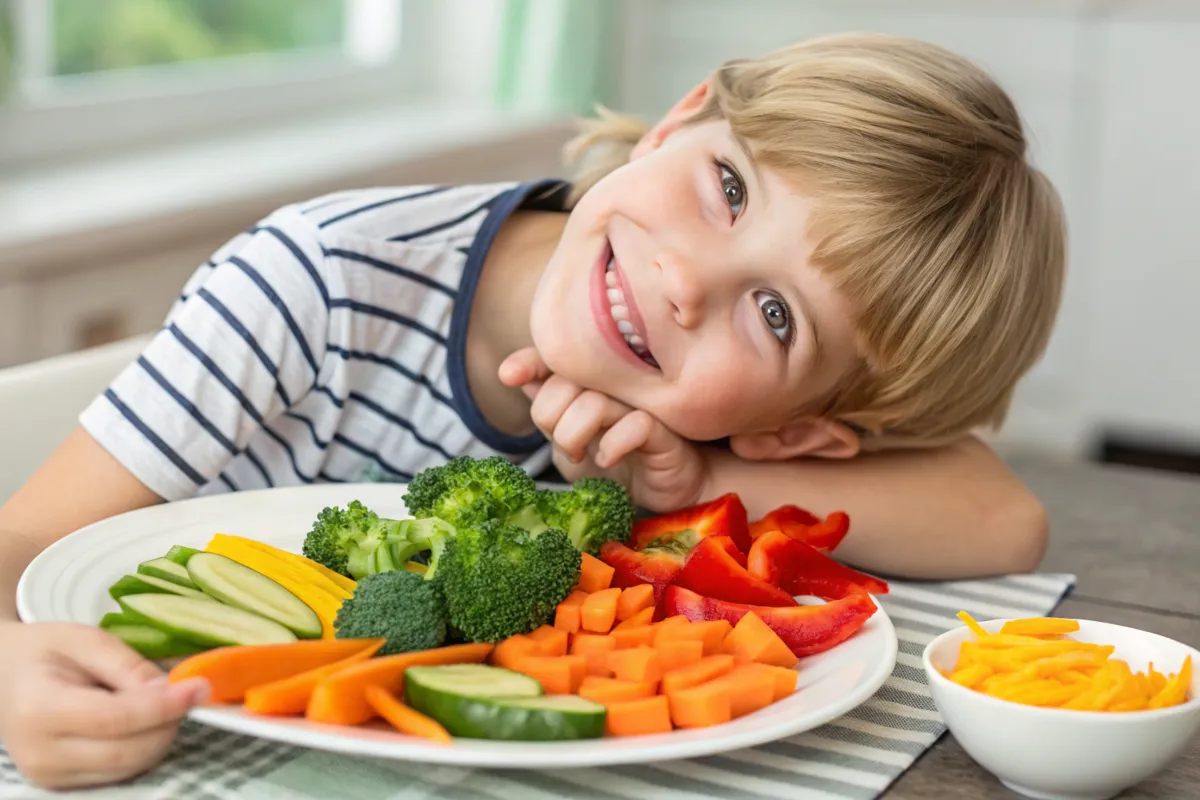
(583, 420)
(97, 714)
(627, 435)
(523, 366)
(107, 660)
(551, 401)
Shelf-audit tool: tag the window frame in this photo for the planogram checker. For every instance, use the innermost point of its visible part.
(84, 120)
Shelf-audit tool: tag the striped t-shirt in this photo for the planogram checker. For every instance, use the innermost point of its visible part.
(325, 343)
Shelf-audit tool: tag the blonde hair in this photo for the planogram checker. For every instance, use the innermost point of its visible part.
(948, 244)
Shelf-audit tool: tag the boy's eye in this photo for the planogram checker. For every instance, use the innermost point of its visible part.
(776, 314)
(734, 189)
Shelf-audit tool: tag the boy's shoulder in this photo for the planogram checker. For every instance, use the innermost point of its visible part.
(427, 214)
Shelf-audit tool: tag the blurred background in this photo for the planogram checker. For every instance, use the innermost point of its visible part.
(136, 136)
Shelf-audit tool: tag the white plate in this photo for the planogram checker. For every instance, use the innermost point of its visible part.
(69, 583)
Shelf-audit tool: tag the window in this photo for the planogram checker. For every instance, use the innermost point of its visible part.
(81, 76)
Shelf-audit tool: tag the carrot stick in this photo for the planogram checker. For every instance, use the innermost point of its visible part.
(231, 671)
(405, 719)
(599, 611)
(341, 699)
(634, 599)
(291, 695)
(594, 574)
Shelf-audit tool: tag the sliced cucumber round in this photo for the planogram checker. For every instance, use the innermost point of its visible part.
(167, 570)
(153, 643)
(241, 587)
(202, 622)
(148, 584)
(482, 702)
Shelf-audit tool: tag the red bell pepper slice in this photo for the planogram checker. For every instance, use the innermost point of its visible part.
(806, 630)
(804, 526)
(801, 569)
(724, 516)
(631, 567)
(713, 570)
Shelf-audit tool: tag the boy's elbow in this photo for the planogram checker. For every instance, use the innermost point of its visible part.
(1026, 530)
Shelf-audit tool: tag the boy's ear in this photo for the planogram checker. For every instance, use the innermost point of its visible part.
(688, 105)
(811, 437)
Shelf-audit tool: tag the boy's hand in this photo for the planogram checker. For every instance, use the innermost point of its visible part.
(595, 435)
(80, 708)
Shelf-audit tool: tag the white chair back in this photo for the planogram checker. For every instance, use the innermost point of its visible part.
(40, 404)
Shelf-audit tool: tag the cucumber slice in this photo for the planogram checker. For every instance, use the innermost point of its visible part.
(114, 618)
(482, 702)
(148, 584)
(180, 554)
(167, 570)
(202, 622)
(241, 587)
(153, 643)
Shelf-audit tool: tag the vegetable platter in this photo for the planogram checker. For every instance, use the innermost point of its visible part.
(473, 617)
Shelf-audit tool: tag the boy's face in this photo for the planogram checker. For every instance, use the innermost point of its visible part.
(682, 286)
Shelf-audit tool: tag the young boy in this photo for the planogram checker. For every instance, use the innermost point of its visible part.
(833, 249)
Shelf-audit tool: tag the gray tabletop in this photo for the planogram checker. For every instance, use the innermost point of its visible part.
(1133, 539)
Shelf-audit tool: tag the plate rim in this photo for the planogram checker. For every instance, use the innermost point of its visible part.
(474, 753)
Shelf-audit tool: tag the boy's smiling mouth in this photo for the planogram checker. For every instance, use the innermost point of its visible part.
(623, 308)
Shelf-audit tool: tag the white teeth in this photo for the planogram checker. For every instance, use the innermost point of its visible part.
(610, 278)
(616, 297)
(619, 313)
(636, 341)
(626, 327)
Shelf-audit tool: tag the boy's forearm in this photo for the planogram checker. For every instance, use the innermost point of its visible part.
(954, 512)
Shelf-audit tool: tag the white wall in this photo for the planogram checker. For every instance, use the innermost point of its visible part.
(1108, 93)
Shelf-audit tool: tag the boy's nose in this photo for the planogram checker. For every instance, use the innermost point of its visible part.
(685, 289)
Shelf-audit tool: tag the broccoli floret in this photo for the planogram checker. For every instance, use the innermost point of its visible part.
(594, 511)
(469, 491)
(399, 606)
(499, 579)
(357, 542)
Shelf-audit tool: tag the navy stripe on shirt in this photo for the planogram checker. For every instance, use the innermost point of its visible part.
(380, 204)
(398, 420)
(154, 438)
(358, 448)
(441, 226)
(383, 313)
(277, 301)
(188, 406)
(249, 339)
(362, 258)
(303, 259)
(358, 355)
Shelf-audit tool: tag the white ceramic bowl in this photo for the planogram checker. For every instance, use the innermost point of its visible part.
(1054, 754)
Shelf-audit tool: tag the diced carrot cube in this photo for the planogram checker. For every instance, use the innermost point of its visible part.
(556, 674)
(599, 610)
(635, 599)
(639, 636)
(610, 690)
(672, 655)
(567, 616)
(595, 647)
(553, 641)
(594, 574)
(701, 706)
(643, 618)
(637, 664)
(785, 679)
(704, 670)
(753, 640)
(710, 632)
(639, 717)
(513, 649)
(749, 689)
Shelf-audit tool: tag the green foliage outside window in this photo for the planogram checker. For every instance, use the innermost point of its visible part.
(97, 35)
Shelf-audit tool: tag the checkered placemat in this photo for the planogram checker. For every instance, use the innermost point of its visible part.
(855, 757)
